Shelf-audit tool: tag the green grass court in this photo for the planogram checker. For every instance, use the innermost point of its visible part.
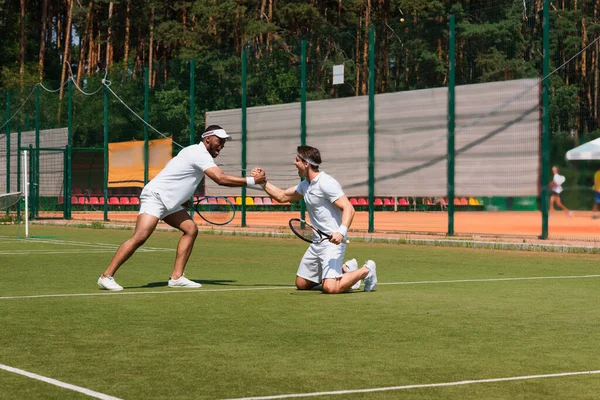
(439, 315)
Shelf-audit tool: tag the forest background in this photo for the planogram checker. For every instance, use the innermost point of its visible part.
(496, 40)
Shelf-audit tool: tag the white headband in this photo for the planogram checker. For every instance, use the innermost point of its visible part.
(217, 132)
(308, 160)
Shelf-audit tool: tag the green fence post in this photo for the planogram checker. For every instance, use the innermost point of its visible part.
(68, 164)
(19, 168)
(192, 118)
(105, 183)
(451, 124)
(545, 121)
(371, 129)
(35, 161)
(244, 94)
(7, 144)
(146, 119)
(303, 112)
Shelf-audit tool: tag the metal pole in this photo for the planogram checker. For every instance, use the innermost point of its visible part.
(105, 183)
(192, 118)
(545, 175)
(19, 180)
(244, 132)
(303, 112)
(68, 157)
(7, 144)
(371, 129)
(35, 160)
(146, 119)
(451, 125)
(26, 192)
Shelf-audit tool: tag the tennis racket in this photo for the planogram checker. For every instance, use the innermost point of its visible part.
(309, 233)
(215, 210)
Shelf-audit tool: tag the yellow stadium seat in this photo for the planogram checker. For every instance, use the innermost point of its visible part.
(250, 201)
(238, 201)
(474, 202)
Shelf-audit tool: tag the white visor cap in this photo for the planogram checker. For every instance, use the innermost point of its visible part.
(218, 133)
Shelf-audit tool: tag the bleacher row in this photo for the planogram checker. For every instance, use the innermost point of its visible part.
(130, 196)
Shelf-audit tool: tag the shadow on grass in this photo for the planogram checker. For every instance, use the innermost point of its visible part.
(231, 283)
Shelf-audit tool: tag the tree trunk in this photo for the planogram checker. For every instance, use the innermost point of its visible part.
(150, 48)
(357, 55)
(43, 39)
(86, 36)
(66, 53)
(365, 55)
(109, 58)
(22, 45)
(127, 31)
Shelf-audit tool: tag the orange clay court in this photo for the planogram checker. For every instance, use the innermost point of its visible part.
(580, 226)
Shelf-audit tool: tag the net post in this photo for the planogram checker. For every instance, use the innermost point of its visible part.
(68, 174)
(26, 193)
(105, 179)
(451, 124)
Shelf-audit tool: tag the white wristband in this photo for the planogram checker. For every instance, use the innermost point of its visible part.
(343, 229)
(250, 181)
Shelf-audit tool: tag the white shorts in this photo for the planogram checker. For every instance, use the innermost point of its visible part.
(322, 261)
(150, 203)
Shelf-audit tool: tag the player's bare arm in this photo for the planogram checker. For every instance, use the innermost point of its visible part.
(223, 179)
(282, 196)
(347, 217)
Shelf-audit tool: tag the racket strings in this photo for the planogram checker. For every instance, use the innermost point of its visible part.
(215, 210)
(305, 231)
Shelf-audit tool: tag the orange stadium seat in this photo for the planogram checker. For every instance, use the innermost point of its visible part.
(353, 201)
(124, 201)
(94, 201)
(378, 202)
(388, 202)
(212, 200)
(113, 200)
(134, 200)
(363, 201)
(403, 202)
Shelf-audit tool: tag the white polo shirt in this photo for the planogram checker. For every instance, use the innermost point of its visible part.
(176, 183)
(558, 180)
(319, 196)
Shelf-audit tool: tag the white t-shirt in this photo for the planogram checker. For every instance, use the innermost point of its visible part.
(319, 196)
(558, 180)
(176, 183)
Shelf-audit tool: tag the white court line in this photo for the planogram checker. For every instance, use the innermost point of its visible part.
(291, 287)
(531, 278)
(87, 251)
(55, 382)
(424, 385)
(74, 243)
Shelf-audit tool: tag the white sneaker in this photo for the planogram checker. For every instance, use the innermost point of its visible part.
(183, 282)
(371, 279)
(353, 266)
(109, 283)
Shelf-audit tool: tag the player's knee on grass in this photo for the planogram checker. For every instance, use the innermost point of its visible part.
(331, 286)
(304, 284)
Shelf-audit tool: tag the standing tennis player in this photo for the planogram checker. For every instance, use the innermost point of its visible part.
(330, 211)
(162, 199)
